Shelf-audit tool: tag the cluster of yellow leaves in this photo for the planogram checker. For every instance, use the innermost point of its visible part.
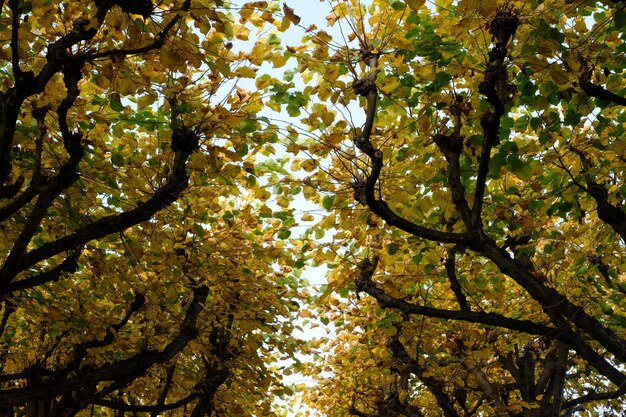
(222, 233)
(429, 56)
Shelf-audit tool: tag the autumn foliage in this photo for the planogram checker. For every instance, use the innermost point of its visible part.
(140, 268)
(458, 166)
(477, 204)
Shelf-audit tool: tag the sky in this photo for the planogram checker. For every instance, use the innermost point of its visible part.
(311, 12)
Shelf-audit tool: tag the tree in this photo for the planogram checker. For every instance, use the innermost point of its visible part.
(141, 269)
(477, 207)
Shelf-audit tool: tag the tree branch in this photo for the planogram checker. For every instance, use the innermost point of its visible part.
(600, 92)
(158, 408)
(158, 42)
(452, 146)
(80, 350)
(67, 173)
(28, 84)
(184, 142)
(594, 396)
(364, 283)
(483, 382)
(604, 270)
(612, 215)
(367, 197)
(15, 26)
(562, 332)
(434, 386)
(496, 88)
(123, 370)
(169, 377)
(69, 264)
(9, 308)
(37, 183)
(211, 384)
(450, 266)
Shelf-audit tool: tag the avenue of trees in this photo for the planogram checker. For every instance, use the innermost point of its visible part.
(169, 169)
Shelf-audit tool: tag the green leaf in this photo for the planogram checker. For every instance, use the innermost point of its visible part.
(397, 5)
(117, 159)
(116, 102)
(328, 201)
(248, 126)
(284, 234)
(619, 18)
(198, 229)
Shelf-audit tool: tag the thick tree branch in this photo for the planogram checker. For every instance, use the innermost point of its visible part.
(611, 214)
(15, 26)
(452, 146)
(562, 311)
(8, 309)
(496, 88)
(159, 41)
(210, 385)
(450, 266)
(67, 173)
(551, 382)
(184, 142)
(490, 123)
(69, 264)
(367, 196)
(562, 332)
(382, 209)
(593, 396)
(522, 369)
(159, 408)
(555, 304)
(434, 386)
(23, 199)
(37, 183)
(28, 84)
(123, 370)
(489, 389)
(366, 284)
(79, 351)
(554, 391)
(600, 92)
(169, 377)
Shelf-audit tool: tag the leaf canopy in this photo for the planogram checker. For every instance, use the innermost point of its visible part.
(477, 207)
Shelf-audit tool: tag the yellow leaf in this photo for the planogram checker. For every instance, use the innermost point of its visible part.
(278, 60)
(171, 57)
(572, 62)
(321, 37)
(328, 117)
(241, 32)
(390, 85)
(306, 314)
(256, 56)
(309, 192)
(282, 201)
(415, 4)
(558, 75)
(283, 24)
(125, 85)
(308, 165)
